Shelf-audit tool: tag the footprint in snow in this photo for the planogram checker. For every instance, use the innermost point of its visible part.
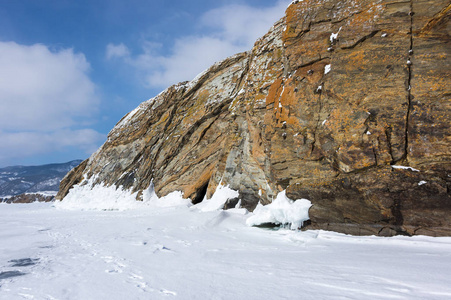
(108, 259)
(134, 276)
(161, 248)
(139, 282)
(185, 243)
(117, 266)
(46, 247)
(113, 271)
(26, 296)
(139, 243)
(167, 292)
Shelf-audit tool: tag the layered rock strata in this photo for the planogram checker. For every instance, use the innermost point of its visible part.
(333, 105)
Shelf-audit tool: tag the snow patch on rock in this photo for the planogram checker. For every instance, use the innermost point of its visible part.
(405, 168)
(295, 2)
(327, 69)
(334, 36)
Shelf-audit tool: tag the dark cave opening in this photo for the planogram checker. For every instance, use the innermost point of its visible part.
(201, 192)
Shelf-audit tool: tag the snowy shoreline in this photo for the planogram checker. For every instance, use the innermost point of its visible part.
(183, 252)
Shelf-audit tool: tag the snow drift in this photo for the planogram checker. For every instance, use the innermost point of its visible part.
(88, 196)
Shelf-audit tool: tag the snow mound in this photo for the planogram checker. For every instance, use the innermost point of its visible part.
(219, 198)
(90, 196)
(98, 197)
(173, 199)
(281, 211)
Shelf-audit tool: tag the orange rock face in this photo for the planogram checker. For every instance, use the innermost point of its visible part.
(324, 105)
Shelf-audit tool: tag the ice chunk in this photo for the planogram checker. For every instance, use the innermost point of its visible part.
(281, 211)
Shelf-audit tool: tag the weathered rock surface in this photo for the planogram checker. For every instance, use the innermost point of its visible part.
(27, 198)
(324, 105)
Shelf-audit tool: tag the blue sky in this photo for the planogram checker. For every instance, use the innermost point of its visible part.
(70, 69)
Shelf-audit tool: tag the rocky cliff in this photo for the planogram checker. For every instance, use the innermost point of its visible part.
(345, 103)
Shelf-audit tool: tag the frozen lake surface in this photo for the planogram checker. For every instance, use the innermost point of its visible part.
(186, 253)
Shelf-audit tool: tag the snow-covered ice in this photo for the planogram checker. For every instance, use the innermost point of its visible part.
(186, 252)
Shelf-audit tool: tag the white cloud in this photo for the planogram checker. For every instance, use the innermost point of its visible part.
(24, 144)
(190, 56)
(231, 29)
(116, 51)
(241, 24)
(44, 96)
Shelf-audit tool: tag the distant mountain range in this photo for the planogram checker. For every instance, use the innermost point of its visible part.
(17, 180)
